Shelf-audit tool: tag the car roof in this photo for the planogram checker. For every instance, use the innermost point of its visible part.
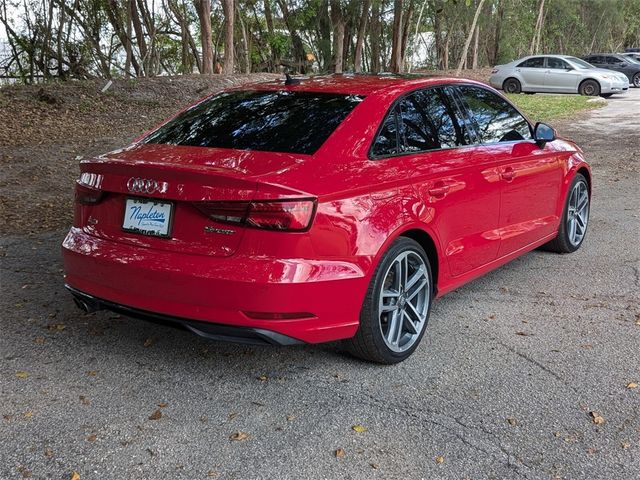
(356, 84)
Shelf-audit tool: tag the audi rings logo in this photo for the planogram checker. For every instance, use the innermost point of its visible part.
(143, 185)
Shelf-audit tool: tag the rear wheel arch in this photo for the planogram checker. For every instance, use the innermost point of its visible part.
(429, 245)
(587, 175)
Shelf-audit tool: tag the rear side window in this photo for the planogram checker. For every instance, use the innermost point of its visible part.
(496, 120)
(536, 62)
(387, 140)
(429, 122)
(280, 121)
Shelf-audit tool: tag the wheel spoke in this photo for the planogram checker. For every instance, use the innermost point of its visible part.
(418, 274)
(411, 294)
(398, 330)
(412, 312)
(411, 326)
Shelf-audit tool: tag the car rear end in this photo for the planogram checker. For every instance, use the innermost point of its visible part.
(174, 229)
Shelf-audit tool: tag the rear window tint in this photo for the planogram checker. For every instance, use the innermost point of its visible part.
(280, 121)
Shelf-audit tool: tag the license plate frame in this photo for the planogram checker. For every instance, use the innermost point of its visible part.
(167, 208)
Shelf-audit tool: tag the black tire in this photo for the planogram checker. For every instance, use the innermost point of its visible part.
(589, 88)
(562, 243)
(512, 85)
(606, 95)
(636, 80)
(369, 343)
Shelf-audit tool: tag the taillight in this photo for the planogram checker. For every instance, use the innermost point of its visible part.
(281, 215)
(87, 195)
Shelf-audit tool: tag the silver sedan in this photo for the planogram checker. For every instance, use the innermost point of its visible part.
(557, 74)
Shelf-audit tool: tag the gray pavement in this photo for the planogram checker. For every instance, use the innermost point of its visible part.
(501, 387)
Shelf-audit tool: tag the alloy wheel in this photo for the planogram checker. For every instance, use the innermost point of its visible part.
(578, 213)
(404, 301)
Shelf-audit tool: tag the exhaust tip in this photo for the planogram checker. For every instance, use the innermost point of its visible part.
(84, 306)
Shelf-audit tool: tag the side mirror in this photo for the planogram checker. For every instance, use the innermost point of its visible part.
(543, 133)
(568, 69)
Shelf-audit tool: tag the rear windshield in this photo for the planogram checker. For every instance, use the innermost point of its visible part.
(281, 121)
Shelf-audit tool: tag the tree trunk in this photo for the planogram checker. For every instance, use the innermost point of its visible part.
(245, 43)
(268, 16)
(137, 27)
(362, 27)
(498, 34)
(337, 21)
(375, 36)
(396, 37)
(465, 50)
(203, 7)
(535, 41)
(228, 7)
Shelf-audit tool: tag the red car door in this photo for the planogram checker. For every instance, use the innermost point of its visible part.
(530, 176)
(457, 189)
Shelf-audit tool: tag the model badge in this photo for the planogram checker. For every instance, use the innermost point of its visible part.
(221, 231)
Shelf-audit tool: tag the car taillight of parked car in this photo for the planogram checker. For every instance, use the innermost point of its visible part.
(287, 215)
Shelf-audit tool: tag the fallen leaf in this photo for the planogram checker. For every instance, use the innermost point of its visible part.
(92, 373)
(48, 452)
(625, 445)
(359, 428)
(375, 466)
(239, 436)
(212, 474)
(339, 453)
(524, 334)
(439, 459)
(28, 414)
(162, 405)
(39, 340)
(263, 378)
(632, 385)
(85, 400)
(512, 421)
(22, 375)
(597, 418)
(75, 476)
(291, 418)
(92, 438)
(149, 342)
(592, 451)
(56, 327)
(157, 415)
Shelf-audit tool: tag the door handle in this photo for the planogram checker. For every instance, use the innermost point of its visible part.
(508, 174)
(439, 190)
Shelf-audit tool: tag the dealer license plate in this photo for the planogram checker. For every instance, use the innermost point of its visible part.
(148, 217)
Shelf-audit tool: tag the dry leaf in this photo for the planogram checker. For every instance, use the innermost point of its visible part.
(524, 334)
(359, 428)
(75, 476)
(512, 421)
(162, 405)
(375, 466)
(85, 400)
(291, 418)
(592, 451)
(625, 445)
(92, 373)
(48, 452)
(56, 326)
(263, 378)
(597, 418)
(439, 459)
(632, 385)
(239, 436)
(339, 453)
(212, 474)
(92, 438)
(28, 414)
(22, 375)
(39, 340)
(148, 342)
(157, 415)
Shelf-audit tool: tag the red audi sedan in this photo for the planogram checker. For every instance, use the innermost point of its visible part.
(329, 208)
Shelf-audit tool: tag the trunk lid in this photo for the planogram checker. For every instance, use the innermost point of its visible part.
(150, 181)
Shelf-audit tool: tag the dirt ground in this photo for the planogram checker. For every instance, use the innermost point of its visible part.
(530, 372)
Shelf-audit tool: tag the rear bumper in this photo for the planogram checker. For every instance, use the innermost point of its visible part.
(183, 288)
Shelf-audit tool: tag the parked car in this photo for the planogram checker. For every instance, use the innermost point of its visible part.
(557, 74)
(335, 208)
(618, 63)
(633, 55)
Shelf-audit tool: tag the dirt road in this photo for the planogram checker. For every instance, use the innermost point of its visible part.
(522, 374)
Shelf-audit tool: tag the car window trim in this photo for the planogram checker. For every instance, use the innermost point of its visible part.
(395, 106)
